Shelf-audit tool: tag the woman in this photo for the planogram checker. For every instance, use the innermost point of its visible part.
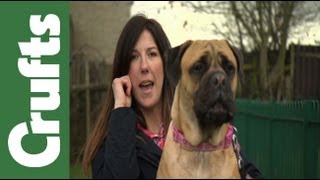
(129, 134)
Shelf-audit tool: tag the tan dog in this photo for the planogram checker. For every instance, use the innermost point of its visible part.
(199, 138)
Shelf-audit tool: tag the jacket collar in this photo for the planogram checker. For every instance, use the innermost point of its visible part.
(146, 143)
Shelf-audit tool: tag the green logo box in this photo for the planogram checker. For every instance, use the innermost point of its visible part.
(34, 93)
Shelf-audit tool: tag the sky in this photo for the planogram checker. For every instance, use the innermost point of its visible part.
(198, 26)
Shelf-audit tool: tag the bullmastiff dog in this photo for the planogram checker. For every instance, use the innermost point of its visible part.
(199, 139)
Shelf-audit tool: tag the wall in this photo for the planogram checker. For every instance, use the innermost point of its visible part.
(98, 25)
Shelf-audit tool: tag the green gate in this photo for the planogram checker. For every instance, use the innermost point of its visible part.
(282, 139)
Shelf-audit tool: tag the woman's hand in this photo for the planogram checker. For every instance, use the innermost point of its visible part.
(122, 92)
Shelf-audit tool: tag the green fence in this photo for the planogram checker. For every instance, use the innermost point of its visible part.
(282, 139)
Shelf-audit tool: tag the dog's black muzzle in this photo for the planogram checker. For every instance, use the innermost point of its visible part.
(213, 101)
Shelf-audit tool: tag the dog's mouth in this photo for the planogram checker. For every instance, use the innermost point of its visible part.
(220, 112)
(219, 108)
(213, 107)
(214, 116)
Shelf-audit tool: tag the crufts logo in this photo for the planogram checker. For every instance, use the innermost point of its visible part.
(43, 78)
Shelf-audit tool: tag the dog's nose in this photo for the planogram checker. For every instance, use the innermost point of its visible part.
(218, 79)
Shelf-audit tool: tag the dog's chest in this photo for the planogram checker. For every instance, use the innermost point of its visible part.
(203, 164)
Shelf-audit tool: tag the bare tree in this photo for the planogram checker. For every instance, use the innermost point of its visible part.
(263, 26)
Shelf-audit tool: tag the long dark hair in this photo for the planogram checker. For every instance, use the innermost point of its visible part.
(121, 63)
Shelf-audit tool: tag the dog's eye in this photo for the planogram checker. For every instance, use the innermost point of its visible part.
(228, 66)
(198, 67)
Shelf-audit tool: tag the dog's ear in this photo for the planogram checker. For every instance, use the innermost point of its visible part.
(239, 57)
(173, 59)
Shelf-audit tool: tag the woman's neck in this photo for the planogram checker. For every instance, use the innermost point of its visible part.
(153, 117)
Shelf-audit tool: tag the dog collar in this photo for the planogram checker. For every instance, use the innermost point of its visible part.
(178, 137)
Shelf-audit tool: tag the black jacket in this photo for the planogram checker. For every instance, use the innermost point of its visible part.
(128, 153)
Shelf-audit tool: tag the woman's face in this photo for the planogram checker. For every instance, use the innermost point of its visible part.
(146, 72)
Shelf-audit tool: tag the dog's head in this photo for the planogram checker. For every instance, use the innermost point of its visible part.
(208, 72)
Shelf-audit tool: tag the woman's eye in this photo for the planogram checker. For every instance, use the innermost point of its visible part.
(152, 54)
(134, 56)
